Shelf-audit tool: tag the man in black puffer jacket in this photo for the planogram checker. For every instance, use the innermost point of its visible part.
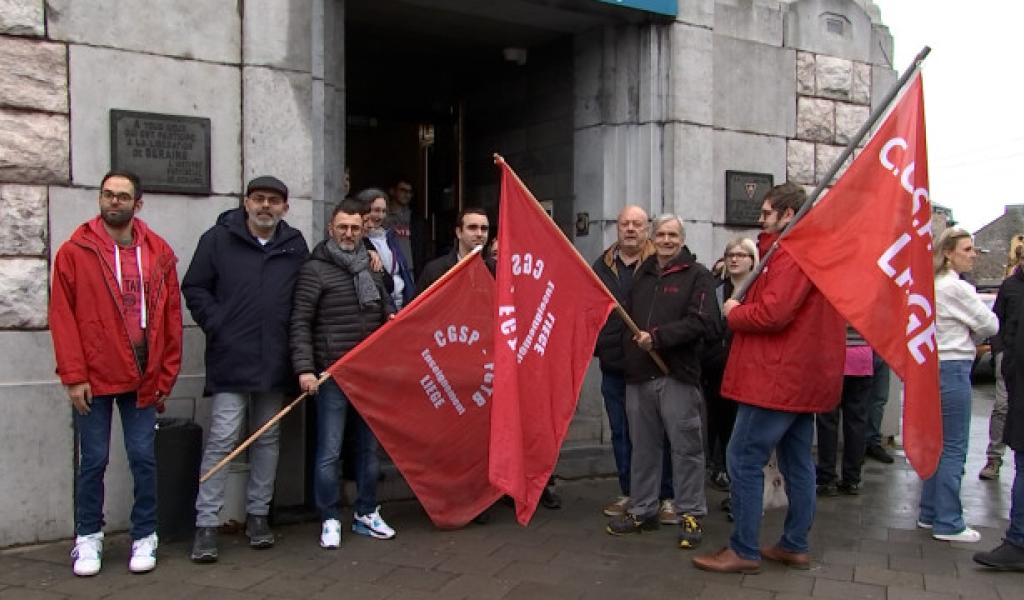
(339, 301)
(673, 303)
(239, 290)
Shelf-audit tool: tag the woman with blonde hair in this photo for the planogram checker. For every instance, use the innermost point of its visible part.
(961, 319)
(739, 260)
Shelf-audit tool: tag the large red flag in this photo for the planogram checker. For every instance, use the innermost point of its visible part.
(423, 383)
(550, 307)
(867, 245)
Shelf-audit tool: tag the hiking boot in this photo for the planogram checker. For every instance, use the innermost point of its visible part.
(667, 513)
(372, 525)
(1007, 557)
(628, 523)
(848, 489)
(88, 554)
(143, 558)
(690, 532)
(878, 453)
(330, 534)
(204, 546)
(258, 529)
(616, 508)
(991, 469)
(827, 490)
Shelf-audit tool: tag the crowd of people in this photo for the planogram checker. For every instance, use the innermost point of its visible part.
(699, 387)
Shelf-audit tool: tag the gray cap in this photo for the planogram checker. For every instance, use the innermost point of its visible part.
(268, 183)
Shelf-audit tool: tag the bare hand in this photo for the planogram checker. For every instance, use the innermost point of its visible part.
(81, 396)
(729, 305)
(308, 383)
(644, 340)
(376, 264)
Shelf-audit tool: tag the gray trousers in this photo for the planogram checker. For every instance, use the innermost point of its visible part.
(227, 416)
(997, 421)
(656, 409)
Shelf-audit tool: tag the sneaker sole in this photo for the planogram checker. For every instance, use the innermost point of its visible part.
(999, 566)
(261, 544)
(612, 513)
(363, 530)
(86, 574)
(330, 546)
(142, 571)
(203, 559)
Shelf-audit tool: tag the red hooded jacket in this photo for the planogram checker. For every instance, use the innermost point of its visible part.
(90, 337)
(788, 343)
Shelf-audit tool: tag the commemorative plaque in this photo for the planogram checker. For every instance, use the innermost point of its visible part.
(744, 194)
(169, 153)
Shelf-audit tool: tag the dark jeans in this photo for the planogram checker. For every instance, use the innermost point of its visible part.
(1015, 533)
(331, 410)
(721, 418)
(854, 407)
(93, 432)
(613, 388)
(879, 398)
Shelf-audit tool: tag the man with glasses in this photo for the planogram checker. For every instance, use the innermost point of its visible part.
(115, 318)
(401, 220)
(239, 290)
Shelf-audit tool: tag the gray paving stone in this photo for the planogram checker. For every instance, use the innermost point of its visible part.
(898, 593)
(230, 577)
(536, 554)
(353, 590)
(474, 564)
(827, 571)
(936, 566)
(949, 584)
(908, 549)
(476, 586)
(20, 594)
(846, 557)
(886, 577)
(829, 588)
(355, 569)
(719, 591)
(293, 585)
(415, 578)
(780, 581)
(532, 590)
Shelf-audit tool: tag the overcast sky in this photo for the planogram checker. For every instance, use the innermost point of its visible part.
(974, 97)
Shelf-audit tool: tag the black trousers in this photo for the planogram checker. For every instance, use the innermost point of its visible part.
(854, 408)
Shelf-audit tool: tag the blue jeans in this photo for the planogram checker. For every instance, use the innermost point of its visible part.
(757, 432)
(1015, 533)
(613, 389)
(940, 494)
(331, 408)
(93, 433)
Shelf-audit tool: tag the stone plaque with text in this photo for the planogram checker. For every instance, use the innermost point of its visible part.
(744, 194)
(170, 153)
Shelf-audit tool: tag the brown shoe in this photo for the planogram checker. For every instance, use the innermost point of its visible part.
(797, 560)
(727, 561)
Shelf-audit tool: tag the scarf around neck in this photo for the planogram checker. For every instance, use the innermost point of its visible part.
(356, 262)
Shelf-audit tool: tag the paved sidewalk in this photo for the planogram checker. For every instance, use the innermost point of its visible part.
(864, 547)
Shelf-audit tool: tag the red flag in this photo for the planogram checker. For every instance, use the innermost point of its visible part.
(423, 382)
(550, 307)
(867, 245)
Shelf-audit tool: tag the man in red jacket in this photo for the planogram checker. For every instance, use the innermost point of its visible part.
(115, 318)
(785, 365)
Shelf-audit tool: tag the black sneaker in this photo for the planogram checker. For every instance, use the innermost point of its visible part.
(258, 530)
(549, 499)
(726, 505)
(827, 490)
(878, 453)
(628, 523)
(1007, 557)
(690, 532)
(204, 546)
(848, 489)
(720, 481)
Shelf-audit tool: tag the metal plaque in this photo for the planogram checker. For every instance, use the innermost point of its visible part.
(169, 153)
(744, 194)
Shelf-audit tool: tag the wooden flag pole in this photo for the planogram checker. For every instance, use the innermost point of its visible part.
(252, 438)
(499, 160)
(883, 107)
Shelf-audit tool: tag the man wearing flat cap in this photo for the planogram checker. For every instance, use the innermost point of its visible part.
(239, 291)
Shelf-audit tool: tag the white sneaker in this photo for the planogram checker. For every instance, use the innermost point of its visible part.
(88, 554)
(143, 554)
(923, 524)
(330, 534)
(372, 525)
(968, 535)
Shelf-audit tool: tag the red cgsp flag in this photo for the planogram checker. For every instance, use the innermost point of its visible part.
(550, 307)
(867, 245)
(423, 383)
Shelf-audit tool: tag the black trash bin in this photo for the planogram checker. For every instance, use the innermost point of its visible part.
(179, 450)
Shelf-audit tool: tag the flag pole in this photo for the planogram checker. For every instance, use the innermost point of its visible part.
(252, 438)
(500, 160)
(873, 118)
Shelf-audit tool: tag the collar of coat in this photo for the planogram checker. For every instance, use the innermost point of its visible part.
(612, 251)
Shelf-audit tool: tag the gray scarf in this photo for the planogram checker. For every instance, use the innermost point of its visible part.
(356, 262)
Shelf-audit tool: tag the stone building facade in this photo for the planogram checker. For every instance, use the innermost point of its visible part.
(612, 105)
(994, 240)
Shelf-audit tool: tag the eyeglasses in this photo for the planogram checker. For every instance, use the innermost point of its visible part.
(737, 255)
(122, 197)
(271, 199)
